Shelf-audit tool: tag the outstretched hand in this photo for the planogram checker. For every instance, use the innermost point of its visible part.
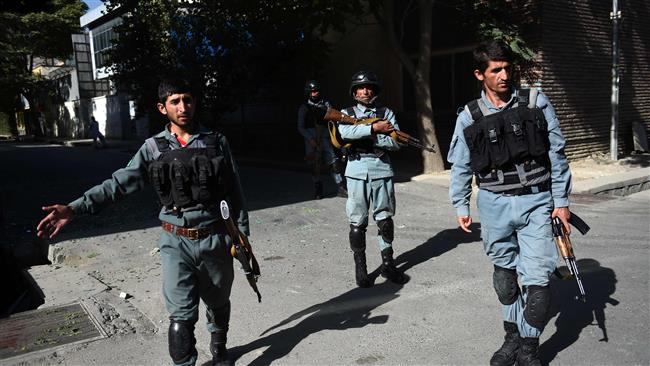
(58, 217)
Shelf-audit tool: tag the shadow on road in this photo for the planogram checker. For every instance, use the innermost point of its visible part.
(352, 309)
(573, 315)
(47, 174)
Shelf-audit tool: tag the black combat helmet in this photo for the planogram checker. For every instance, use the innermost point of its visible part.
(311, 86)
(365, 77)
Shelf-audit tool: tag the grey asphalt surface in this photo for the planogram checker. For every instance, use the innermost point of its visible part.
(311, 312)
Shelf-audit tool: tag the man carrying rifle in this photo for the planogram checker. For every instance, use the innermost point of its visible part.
(192, 170)
(510, 140)
(369, 175)
(317, 145)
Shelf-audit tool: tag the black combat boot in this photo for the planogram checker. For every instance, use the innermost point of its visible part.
(388, 269)
(507, 354)
(528, 352)
(218, 349)
(220, 317)
(360, 269)
(318, 190)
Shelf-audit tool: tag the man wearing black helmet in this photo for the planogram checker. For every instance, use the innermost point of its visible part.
(369, 176)
(317, 145)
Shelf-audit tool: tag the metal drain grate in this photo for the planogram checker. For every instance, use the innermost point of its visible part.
(45, 328)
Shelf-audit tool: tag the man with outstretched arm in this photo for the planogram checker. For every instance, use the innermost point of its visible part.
(191, 169)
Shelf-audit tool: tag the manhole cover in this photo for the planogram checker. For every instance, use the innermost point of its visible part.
(40, 329)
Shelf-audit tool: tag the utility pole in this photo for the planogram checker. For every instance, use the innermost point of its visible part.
(615, 15)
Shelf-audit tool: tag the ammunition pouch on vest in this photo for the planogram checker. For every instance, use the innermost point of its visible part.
(500, 140)
(190, 176)
(509, 149)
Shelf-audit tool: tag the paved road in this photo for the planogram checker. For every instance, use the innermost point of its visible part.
(312, 313)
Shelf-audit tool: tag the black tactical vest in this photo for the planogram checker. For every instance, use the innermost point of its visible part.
(508, 148)
(365, 146)
(189, 177)
(315, 113)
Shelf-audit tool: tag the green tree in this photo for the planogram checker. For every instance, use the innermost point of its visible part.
(419, 70)
(509, 21)
(231, 50)
(30, 29)
(489, 20)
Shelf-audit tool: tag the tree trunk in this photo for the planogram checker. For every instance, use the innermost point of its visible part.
(431, 162)
(420, 75)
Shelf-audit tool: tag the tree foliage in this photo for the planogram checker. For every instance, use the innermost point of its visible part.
(509, 21)
(30, 29)
(504, 20)
(231, 50)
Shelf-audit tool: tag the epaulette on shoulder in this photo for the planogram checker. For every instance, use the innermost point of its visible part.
(474, 109)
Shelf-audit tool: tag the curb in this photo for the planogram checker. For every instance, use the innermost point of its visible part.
(621, 184)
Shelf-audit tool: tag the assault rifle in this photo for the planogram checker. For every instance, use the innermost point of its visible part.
(334, 116)
(242, 250)
(566, 249)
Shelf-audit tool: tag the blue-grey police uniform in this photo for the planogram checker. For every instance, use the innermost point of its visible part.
(310, 132)
(516, 229)
(369, 175)
(192, 269)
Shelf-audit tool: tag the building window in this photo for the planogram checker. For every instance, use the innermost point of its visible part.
(102, 37)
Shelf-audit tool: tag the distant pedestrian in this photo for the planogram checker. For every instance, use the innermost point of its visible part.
(95, 134)
(509, 140)
(192, 170)
(318, 148)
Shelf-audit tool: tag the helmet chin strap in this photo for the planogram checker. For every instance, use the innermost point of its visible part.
(368, 103)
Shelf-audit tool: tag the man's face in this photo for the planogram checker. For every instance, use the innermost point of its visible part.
(364, 93)
(179, 108)
(314, 94)
(496, 76)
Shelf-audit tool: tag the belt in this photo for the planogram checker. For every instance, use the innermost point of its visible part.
(217, 227)
(521, 191)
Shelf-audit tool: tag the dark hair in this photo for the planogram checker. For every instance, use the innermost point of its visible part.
(168, 87)
(490, 51)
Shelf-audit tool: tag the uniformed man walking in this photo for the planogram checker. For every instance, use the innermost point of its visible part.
(192, 170)
(369, 176)
(510, 139)
(318, 148)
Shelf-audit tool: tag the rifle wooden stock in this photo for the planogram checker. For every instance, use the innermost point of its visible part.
(241, 250)
(334, 116)
(565, 248)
